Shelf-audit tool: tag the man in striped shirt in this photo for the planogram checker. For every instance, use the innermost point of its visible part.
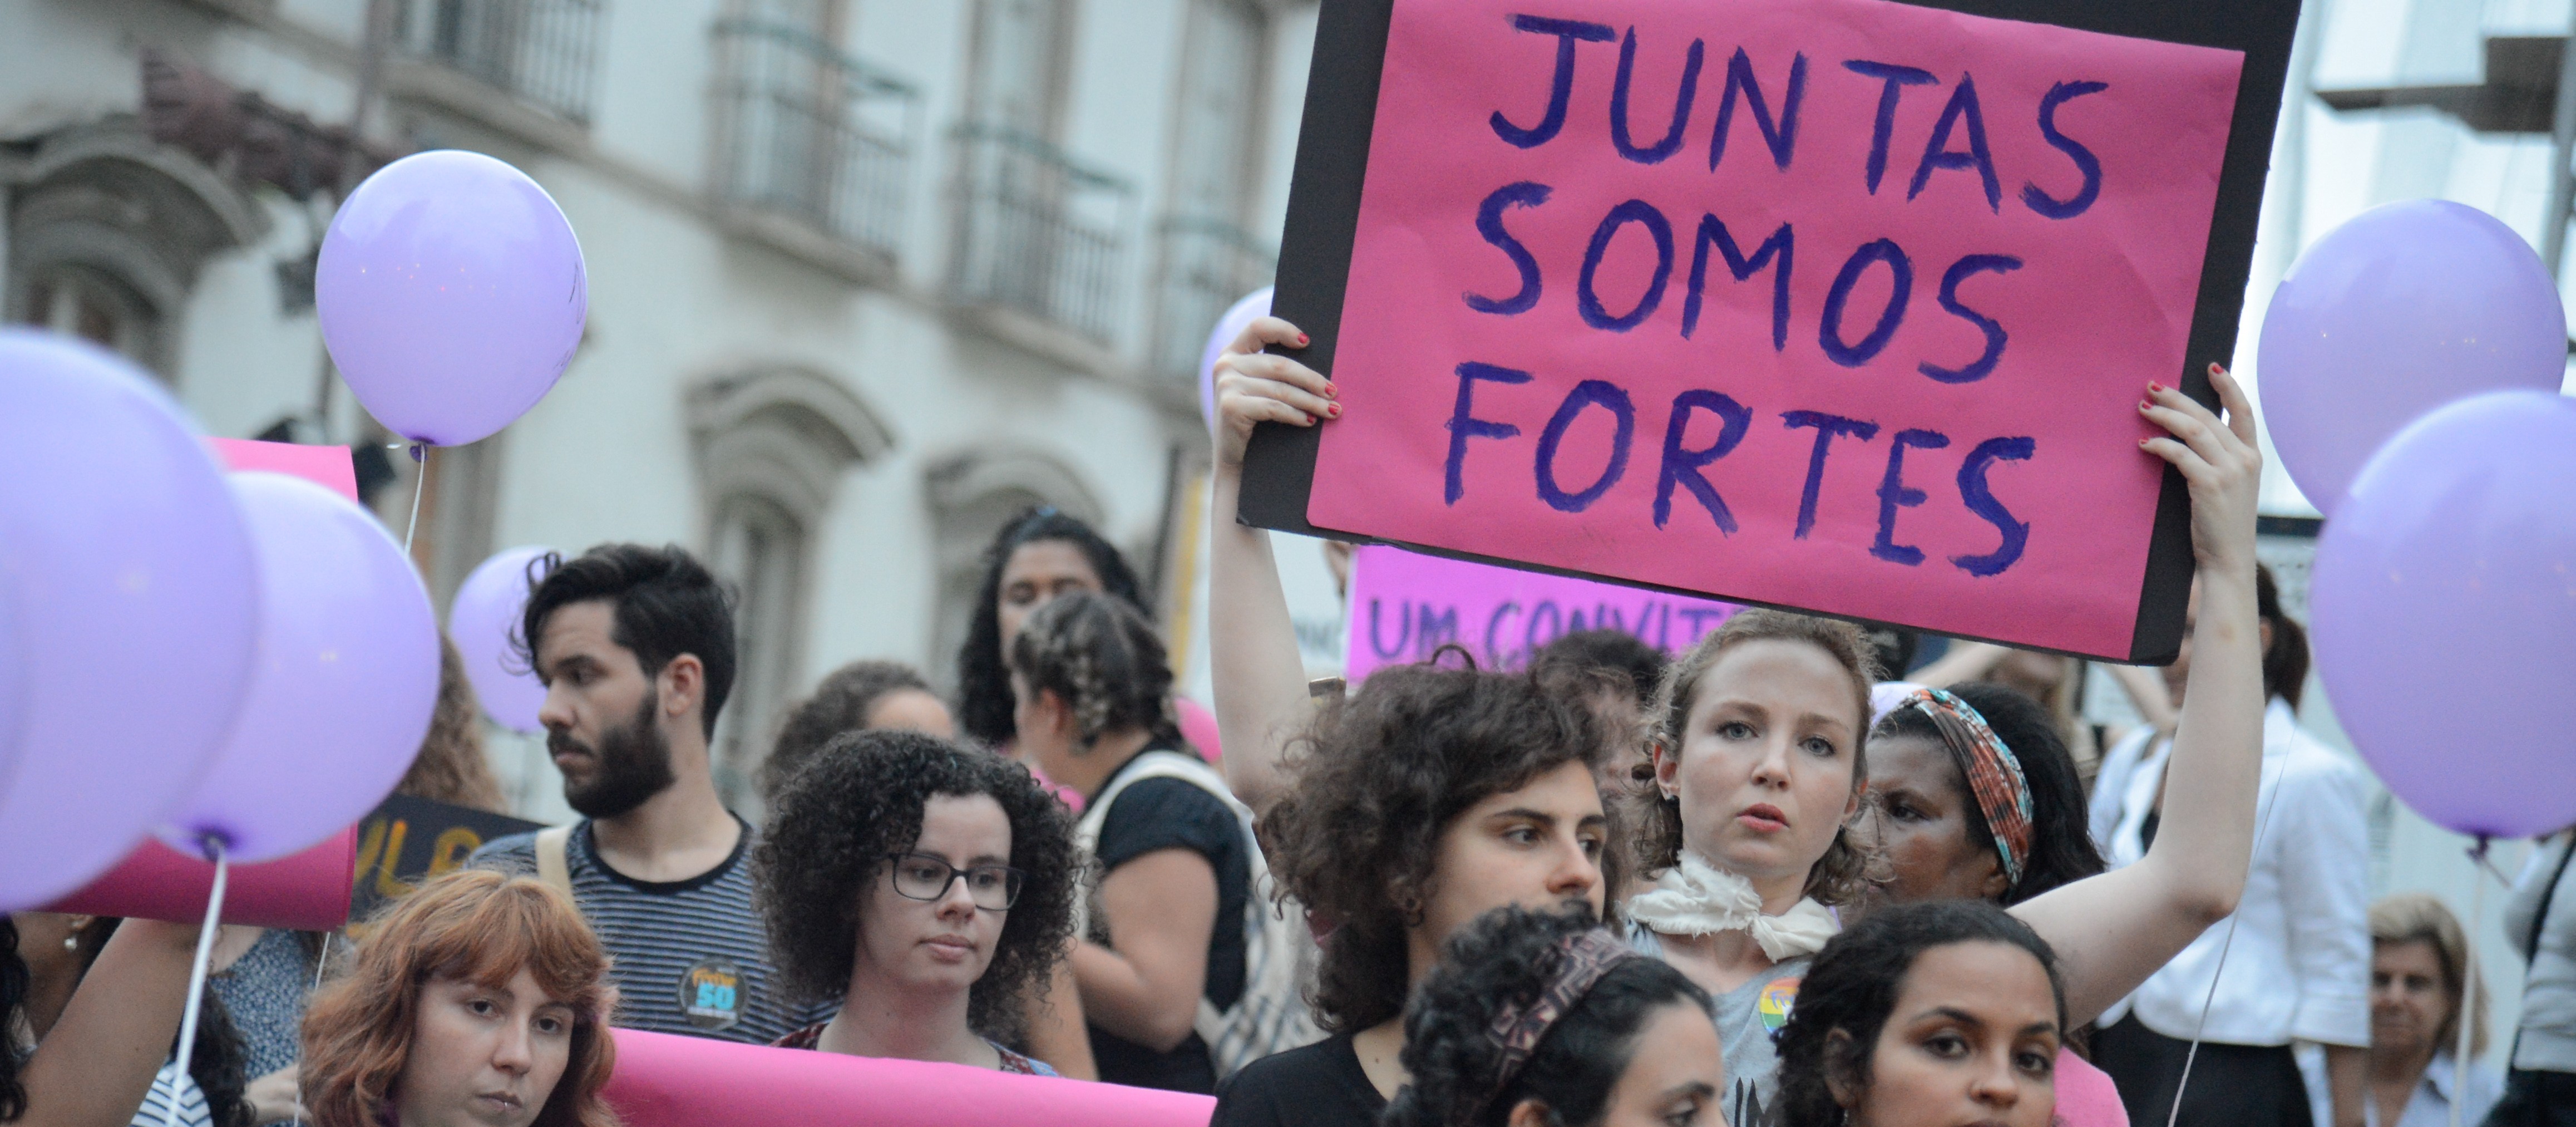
(636, 648)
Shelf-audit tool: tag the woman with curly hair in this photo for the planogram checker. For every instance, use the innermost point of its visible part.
(928, 887)
(1540, 1019)
(1170, 925)
(1942, 1014)
(1427, 798)
(480, 998)
(1043, 553)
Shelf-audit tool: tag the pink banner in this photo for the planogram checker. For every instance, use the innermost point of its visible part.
(670, 1081)
(1835, 304)
(307, 891)
(1405, 606)
(327, 466)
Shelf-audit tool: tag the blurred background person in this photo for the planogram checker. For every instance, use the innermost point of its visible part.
(2300, 948)
(2420, 992)
(857, 697)
(481, 998)
(85, 1050)
(1043, 554)
(2540, 918)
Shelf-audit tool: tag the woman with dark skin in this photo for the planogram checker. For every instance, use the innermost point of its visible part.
(107, 1041)
(1043, 554)
(1946, 1014)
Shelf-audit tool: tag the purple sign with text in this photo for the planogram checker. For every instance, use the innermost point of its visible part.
(1405, 605)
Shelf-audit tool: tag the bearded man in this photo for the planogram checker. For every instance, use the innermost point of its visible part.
(636, 649)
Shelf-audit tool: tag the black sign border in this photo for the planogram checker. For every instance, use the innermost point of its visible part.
(1332, 165)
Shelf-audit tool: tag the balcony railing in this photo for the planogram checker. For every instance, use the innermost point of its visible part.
(1207, 265)
(1038, 233)
(813, 134)
(545, 52)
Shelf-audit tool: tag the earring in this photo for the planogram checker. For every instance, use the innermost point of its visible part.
(71, 942)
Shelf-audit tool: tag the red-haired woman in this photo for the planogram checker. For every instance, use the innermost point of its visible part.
(481, 999)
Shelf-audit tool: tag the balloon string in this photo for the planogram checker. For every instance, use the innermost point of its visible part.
(419, 457)
(2469, 1017)
(2261, 819)
(197, 979)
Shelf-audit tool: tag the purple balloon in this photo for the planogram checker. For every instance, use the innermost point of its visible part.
(2406, 307)
(1244, 311)
(341, 692)
(452, 295)
(2445, 605)
(137, 603)
(481, 621)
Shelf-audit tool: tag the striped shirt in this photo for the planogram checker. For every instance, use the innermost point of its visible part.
(172, 1084)
(689, 956)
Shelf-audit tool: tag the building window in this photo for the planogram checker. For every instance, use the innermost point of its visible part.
(1206, 258)
(1039, 233)
(772, 447)
(545, 52)
(810, 133)
(107, 231)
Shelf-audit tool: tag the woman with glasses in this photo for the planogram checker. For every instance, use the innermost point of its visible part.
(928, 887)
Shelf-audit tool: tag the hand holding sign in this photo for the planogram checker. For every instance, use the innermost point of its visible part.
(1851, 323)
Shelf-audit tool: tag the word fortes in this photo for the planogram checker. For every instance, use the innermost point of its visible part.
(1682, 467)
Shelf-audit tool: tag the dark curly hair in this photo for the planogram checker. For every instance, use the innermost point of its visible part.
(2061, 840)
(667, 604)
(1852, 987)
(13, 998)
(983, 682)
(1506, 958)
(1380, 775)
(840, 704)
(1102, 658)
(1836, 878)
(858, 802)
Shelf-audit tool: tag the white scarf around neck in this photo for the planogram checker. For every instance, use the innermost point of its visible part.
(1696, 898)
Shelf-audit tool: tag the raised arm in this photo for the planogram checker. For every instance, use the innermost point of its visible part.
(2112, 931)
(1259, 679)
(99, 1059)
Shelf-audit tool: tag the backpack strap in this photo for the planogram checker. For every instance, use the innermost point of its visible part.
(551, 845)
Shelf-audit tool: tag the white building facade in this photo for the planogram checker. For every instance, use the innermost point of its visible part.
(867, 277)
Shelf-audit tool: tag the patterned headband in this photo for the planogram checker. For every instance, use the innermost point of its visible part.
(1994, 775)
(1581, 960)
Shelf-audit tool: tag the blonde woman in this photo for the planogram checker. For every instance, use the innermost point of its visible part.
(2420, 992)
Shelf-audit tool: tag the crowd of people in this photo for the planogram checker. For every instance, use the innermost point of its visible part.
(1768, 882)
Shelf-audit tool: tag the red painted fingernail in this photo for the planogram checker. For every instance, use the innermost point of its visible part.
(1333, 409)
(2153, 386)
(1302, 339)
(2144, 405)
(1331, 389)
(2214, 369)
(2142, 443)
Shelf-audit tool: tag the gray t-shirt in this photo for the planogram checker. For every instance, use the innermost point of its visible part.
(1749, 1018)
(690, 956)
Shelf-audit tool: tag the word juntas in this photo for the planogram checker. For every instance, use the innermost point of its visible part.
(1957, 141)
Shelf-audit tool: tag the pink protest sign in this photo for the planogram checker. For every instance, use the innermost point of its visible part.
(306, 891)
(327, 466)
(664, 1080)
(1836, 304)
(1405, 606)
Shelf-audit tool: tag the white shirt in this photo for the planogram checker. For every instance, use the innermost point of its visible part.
(2299, 967)
(2430, 1106)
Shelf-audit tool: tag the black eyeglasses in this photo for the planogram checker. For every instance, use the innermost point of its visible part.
(920, 876)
